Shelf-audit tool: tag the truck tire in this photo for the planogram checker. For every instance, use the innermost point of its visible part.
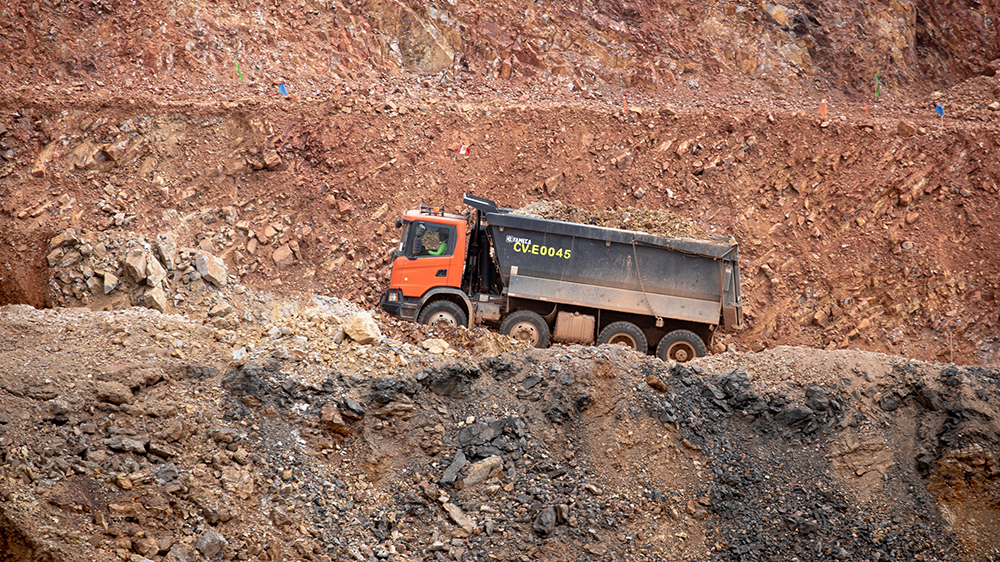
(445, 313)
(681, 346)
(624, 333)
(528, 327)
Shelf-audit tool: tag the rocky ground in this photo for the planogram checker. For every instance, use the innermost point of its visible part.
(854, 233)
(863, 223)
(200, 374)
(114, 447)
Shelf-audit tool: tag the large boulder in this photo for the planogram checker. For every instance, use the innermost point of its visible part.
(110, 282)
(181, 552)
(155, 273)
(67, 237)
(545, 522)
(211, 269)
(113, 392)
(166, 247)
(155, 298)
(362, 328)
(283, 256)
(906, 128)
(221, 309)
(483, 471)
(135, 265)
(95, 285)
(331, 418)
(211, 544)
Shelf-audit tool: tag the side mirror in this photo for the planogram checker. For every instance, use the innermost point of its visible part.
(418, 241)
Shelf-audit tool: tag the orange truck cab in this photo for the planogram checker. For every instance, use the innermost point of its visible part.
(429, 264)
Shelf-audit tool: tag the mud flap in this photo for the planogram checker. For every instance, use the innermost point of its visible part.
(732, 318)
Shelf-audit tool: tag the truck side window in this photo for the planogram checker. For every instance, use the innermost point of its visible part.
(437, 240)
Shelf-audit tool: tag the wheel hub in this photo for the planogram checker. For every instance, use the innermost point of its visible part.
(442, 320)
(681, 352)
(623, 340)
(525, 332)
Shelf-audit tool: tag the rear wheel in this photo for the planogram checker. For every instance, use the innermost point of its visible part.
(443, 314)
(528, 327)
(624, 333)
(681, 346)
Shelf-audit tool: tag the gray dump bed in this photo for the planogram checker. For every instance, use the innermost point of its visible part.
(620, 270)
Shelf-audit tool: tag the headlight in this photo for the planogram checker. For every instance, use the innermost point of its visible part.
(393, 297)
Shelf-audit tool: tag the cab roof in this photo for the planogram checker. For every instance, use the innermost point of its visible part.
(445, 218)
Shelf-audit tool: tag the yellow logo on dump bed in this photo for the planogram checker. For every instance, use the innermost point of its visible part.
(537, 250)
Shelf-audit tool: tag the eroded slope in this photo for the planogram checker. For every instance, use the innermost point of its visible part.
(563, 454)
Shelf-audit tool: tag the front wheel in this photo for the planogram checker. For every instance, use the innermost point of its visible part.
(527, 327)
(443, 314)
(681, 346)
(624, 333)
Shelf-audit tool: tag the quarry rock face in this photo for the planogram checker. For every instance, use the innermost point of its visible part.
(425, 39)
(648, 46)
(195, 238)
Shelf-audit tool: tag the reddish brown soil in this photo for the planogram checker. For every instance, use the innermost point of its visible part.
(853, 233)
(886, 236)
(868, 225)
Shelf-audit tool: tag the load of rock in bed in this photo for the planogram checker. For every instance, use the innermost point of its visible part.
(570, 453)
(658, 222)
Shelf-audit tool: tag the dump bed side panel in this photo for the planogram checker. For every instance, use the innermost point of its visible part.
(611, 298)
(605, 257)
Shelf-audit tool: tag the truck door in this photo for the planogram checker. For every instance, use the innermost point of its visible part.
(428, 259)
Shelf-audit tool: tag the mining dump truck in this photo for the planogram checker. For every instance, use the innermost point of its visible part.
(543, 281)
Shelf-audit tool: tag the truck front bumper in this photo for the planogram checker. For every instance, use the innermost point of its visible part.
(393, 302)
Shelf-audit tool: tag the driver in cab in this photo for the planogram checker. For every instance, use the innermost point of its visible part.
(438, 240)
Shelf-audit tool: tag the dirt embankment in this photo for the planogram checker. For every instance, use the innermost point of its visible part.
(561, 454)
(854, 233)
(586, 49)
